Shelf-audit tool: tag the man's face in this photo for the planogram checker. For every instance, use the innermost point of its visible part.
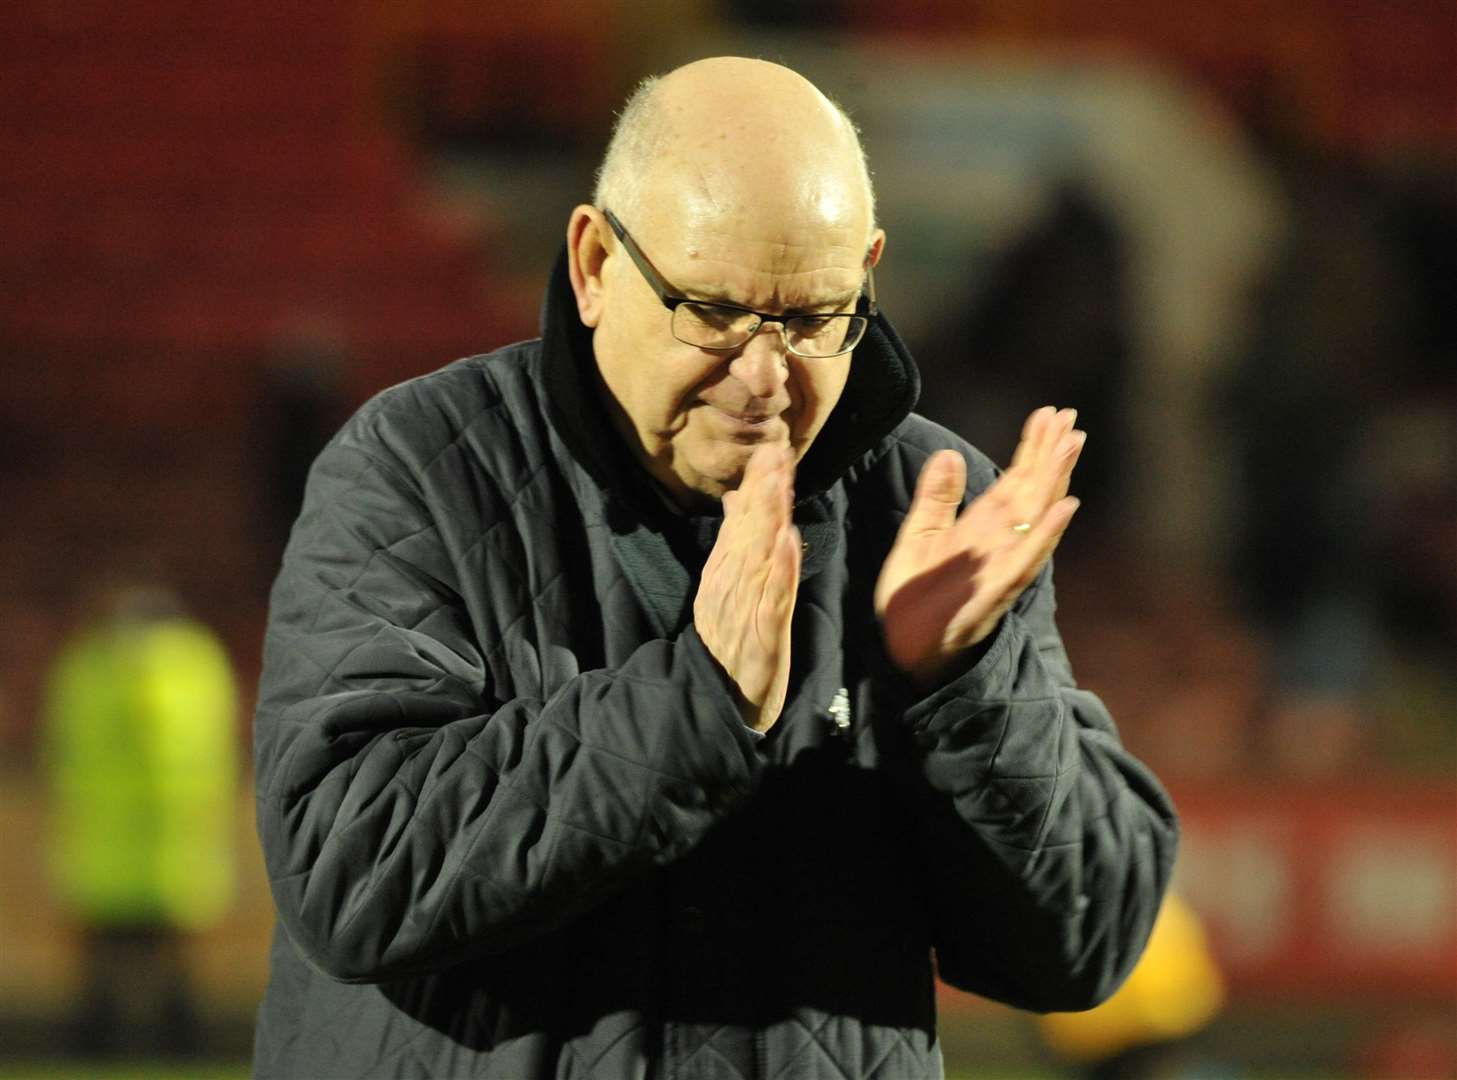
(696, 415)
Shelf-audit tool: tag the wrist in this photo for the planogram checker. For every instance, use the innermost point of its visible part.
(930, 675)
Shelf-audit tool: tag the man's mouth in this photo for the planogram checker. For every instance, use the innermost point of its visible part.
(745, 416)
(746, 426)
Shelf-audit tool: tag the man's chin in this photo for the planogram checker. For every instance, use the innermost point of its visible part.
(713, 486)
(705, 476)
(725, 471)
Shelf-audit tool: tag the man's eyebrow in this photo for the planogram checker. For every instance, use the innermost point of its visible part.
(710, 295)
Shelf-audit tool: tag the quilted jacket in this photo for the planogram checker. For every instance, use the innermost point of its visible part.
(515, 828)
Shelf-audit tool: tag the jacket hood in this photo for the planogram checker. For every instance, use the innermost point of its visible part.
(881, 391)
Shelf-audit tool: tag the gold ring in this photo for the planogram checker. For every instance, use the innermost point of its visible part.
(1022, 528)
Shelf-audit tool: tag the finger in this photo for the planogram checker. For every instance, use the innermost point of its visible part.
(1048, 469)
(1047, 532)
(763, 501)
(1064, 422)
(775, 605)
(1069, 453)
(785, 587)
(787, 560)
(773, 501)
(764, 460)
(759, 474)
(1031, 436)
(761, 536)
(774, 474)
(1007, 572)
(939, 491)
(1028, 484)
(1055, 474)
(1059, 422)
(1043, 539)
(1049, 438)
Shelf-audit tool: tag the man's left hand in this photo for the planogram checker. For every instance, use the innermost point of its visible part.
(949, 579)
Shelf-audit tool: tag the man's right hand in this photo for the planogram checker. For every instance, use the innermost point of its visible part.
(745, 599)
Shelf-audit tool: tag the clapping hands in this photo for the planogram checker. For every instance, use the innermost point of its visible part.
(745, 599)
(949, 579)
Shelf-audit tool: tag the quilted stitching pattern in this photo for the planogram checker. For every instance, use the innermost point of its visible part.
(487, 795)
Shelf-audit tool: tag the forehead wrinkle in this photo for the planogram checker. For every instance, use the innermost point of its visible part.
(782, 242)
(703, 183)
(829, 267)
(772, 254)
(800, 290)
(704, 192)
(755, 255)
(781, 266)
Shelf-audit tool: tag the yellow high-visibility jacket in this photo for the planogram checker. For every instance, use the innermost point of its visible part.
(140, 747)
(1174, 991)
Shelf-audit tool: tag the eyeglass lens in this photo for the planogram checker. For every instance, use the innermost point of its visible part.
(710, 326)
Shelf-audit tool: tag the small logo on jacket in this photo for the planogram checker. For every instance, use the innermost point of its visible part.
(839, 710)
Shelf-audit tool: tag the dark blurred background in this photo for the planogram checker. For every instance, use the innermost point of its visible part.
(1226, 232)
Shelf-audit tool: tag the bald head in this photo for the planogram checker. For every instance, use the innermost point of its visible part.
(734, 136)
(740, 186)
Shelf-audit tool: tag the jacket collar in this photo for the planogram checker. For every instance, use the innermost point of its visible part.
(880, 393)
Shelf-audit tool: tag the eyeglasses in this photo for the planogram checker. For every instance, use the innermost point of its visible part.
(727, 326)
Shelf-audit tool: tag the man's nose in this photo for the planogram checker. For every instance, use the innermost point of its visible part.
(762, 365)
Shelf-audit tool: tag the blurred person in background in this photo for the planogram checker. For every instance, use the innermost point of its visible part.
(1052, 311)
(1142, 1032)
(300, 404)
(1343, 416)
(654, 697)
(139, 746)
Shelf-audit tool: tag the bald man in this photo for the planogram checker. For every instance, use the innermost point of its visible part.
(662, 697)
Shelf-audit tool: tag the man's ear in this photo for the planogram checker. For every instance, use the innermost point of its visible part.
(876, 248)
(586, 253)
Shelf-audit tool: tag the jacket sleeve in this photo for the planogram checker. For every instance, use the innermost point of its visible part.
(409, 819)
(1048, 846)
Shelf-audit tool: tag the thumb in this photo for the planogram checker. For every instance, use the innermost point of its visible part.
(939, 491)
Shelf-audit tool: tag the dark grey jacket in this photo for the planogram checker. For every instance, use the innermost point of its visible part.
(515, 827)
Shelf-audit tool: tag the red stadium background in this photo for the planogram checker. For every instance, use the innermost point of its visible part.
(193, 196)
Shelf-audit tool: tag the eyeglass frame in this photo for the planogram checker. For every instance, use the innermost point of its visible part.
(672, 299)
